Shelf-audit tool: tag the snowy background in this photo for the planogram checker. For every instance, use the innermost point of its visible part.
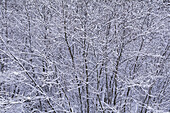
(84, 56)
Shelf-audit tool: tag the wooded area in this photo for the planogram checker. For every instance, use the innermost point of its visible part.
(84, 56)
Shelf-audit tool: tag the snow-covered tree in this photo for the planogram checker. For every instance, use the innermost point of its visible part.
(84, 56)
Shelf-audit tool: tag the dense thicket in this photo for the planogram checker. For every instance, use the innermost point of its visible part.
(84, 56)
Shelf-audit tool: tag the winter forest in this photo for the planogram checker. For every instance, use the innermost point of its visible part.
(84, 56)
